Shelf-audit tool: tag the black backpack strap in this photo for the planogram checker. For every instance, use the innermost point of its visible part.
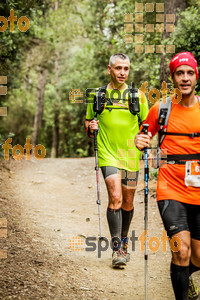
(133, 100)
(191, 135)
(174, 157)
(100, 99)
(163, 117)
(134, 104)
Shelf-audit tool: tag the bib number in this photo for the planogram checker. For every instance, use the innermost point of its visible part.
(192, 174)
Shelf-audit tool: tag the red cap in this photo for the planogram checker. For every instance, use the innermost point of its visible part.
(183, 58)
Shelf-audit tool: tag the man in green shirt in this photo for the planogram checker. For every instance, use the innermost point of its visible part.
(117, 155)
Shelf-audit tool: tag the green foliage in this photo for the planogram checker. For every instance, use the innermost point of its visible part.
(187, 34)
(14, 44)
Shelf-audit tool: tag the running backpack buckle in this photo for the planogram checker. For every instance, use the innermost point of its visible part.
(171, 162)
(194, 134)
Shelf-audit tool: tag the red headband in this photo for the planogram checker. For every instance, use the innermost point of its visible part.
(183, 58)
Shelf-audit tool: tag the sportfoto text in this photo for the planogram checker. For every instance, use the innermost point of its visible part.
(154, 94)
(154, 243)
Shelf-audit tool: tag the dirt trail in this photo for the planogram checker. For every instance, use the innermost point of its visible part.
(50, 202)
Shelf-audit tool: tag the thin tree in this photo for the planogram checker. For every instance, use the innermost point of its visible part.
(39, 104)
(55, 142)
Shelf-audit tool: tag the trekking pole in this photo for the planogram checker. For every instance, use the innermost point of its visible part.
(97, 177)
(146, 177)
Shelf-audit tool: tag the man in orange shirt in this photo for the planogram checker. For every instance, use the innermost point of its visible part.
(178, 186)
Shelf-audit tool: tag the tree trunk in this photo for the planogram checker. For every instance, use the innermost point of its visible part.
(40, 104)
(28, 66)
(54, 149)
(171, 7)
(55, 142)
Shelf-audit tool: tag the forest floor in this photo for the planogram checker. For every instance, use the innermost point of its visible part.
(52, 202)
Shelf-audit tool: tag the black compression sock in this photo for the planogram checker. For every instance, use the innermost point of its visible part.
(126, 221)
(114, 217)
(193, 268)
(180, 281)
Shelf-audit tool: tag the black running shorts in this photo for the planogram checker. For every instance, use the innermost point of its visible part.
(128, 178)
(178, 216)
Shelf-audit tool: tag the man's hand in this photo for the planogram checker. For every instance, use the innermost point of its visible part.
(143, 140)
(93, 125)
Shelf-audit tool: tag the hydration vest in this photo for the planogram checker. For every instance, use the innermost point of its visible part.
(133, 101)
(163, 117)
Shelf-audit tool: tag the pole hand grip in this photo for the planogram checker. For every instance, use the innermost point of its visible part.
(145, 128)
(95, 140)
(145, 131)
(95, 137)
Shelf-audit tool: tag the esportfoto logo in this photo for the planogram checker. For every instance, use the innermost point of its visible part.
(92, 244)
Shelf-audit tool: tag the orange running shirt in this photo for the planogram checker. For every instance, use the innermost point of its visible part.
(171, 178)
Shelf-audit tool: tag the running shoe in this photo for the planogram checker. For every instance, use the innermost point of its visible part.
(193, 292)
(125, 252)
(118, 258)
